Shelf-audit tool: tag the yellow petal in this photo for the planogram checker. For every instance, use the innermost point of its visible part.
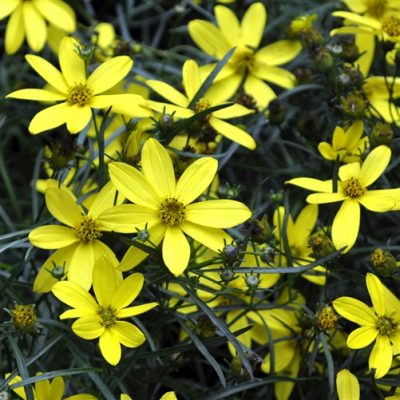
(381, 356)
(362, 337)
(36, 94)
(191, 80)
(233, 111)
(109, 73)
(128, 334)
(233, 133)
(259, 90)
(351, 170)
(133, 185)
(218, 213)
(57, 388)
(62, 205)
(228, 24)
(52, 237)
(7, 7)
(375, 290)
(78, 118)
(213, 238)
(253, 24)
(323, 198)
(196, 179)
(223, 90)
(37, 32)
(347, 385)
(365, 43)
(374, 165)
(127, 291)
(58, 13)
(304, 224)
(354, 310)
(278, 53)
(104, 281)
(75, 296)
(168, 396)
(72, 66)
(49, 118)
(165, 108)
(175, 250)
(104, 200)
(48, 72)
(81, 264)
(346, 225)
(158, 169)
(135, 310)
(88, 327)
(315, 185)
(110, 347)
(15, 31)
(168, 92)
(276, 75)
(358, 19)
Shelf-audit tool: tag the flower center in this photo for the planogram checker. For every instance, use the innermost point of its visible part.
(391, 26)
(375, 8)
(386, 326)
(352, 188)
(242, 59)
(80, 95)
(172, 211)
(202, 105)
(108, 316)
(87, 230)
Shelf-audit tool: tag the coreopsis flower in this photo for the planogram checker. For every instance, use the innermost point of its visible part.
(218, 93)
(76, 95)
(298, 235)
(248, 62)
(165, 207)
(78, 242)
(352, 190)
(379, 323)
(29, 19)
(46, 390)
(347, 145)
(99, 316)
(347, 385)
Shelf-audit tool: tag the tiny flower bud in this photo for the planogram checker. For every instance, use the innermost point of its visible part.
(354, 104)
(326, 318)
(252, 281)
(143, 235)
(383, 261)
(227, 275)
(166, 122)
(382, 133)
(323, 59)
(24, 317)
(63, 151)
(267, 254)
(230, 254)
(320, 244)
(205, 327)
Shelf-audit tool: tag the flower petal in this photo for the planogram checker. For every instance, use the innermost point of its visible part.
(133, 185)
(36, 34)
(380, 200)
(233, 111)
(49, 118)
(127, 291)
(128, 334)
(276, 75)
(15, 31)
(354, 310)
(72, 66)
(233, 133)
(374, 165)
(88, 327)
(58, 13)
(104, 281)
(346, 225)
(218, 213)
(347, 385)
(323, 198)
(168, 92)
(62, 205)
(381, 356)
(228, 24)
(36, 95)
(253, 24)
(106, 198)
(315, 185)
(213, 238)
(52, 237)
(175, 250)
(135, 310)
(158, 169)
(190, 79)
(196, 179)
(108, 74)
(7, 7)
(362, 337)
(78, 117)
(110, 347)
(375, 290)
(278, 53)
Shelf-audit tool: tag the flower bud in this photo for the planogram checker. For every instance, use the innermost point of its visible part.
(205, 327)
(383, 262)
(326, 319)
(354, 104)
(321, 244)
(382, 133)
(23, 317)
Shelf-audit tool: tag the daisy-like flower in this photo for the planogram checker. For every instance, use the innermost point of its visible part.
(217, 93)
(99, 317)
(30, 19)
(247, 63)
(78, 243)
(46, 390)
(379, 323)
(352, 190)
(347, 145)
(77, 93)
(165, 207)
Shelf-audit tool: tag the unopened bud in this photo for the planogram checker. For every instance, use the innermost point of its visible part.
(384, 262)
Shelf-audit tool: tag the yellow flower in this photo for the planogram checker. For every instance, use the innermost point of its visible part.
(78, 94)
(164, 206)
(352, 190)
(347, 385)
(248, 63)
(46, 390)
(29, 19)
(347, 145)
(100, 317)
(215, 95)
(379, 323)
(298, 234)
(79, 242)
